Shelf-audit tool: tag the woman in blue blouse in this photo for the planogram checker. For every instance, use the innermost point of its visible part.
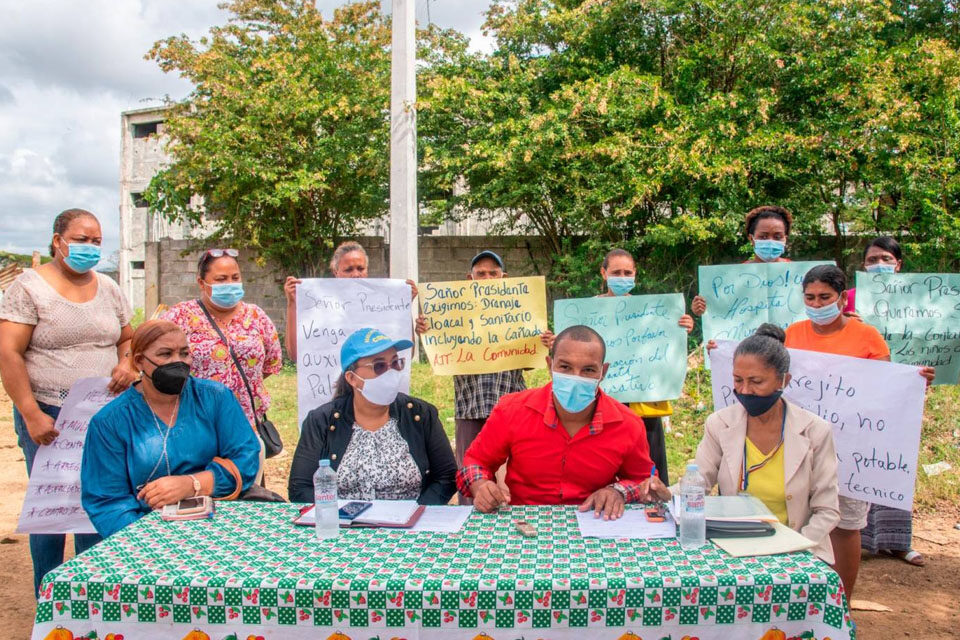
(156, 443)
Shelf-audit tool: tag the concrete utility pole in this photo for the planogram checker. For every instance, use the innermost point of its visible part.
(403, 143)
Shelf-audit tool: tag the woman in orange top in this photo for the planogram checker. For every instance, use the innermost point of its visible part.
(828, 330)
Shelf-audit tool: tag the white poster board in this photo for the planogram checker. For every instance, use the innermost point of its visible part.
(875, 408)
(52, 503)
(328, 311)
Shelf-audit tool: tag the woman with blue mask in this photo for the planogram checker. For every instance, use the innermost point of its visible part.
(226, 334)
(768, 229)
(619, 271)
(882, 255)
(889, 531)
(828, 330)
(59, 323)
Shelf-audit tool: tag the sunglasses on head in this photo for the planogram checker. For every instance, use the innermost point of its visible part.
(380, 367)
(216, 253)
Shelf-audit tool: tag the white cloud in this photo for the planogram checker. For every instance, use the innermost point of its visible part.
(70, 68)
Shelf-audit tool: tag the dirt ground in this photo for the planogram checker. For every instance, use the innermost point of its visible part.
(925, 601)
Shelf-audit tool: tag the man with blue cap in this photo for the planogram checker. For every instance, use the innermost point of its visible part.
(476, 395)
(383, 444)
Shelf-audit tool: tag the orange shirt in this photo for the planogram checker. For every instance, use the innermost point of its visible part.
(858, 339)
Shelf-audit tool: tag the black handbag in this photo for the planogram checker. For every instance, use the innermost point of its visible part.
(272, 444)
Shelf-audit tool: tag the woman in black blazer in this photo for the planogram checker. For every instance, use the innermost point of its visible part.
(383, 444)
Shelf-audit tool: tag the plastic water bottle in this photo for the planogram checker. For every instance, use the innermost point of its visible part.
(325, 501)
(693, 521)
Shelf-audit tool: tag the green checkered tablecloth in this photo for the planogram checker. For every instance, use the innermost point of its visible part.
(251, 573)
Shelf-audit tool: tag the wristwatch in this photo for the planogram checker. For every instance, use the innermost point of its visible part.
(196, 485)
(619, 488)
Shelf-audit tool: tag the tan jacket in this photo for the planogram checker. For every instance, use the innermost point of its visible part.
(809, 466)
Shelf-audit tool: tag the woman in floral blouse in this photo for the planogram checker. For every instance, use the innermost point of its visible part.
(246, 326)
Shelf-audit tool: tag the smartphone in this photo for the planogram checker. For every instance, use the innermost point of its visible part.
(189, 509)
(351, 510)
(655, 512)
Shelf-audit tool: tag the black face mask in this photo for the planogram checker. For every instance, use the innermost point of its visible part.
(758, 405)
(169, 378)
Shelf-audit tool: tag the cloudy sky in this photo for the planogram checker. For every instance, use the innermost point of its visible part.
(67, 71)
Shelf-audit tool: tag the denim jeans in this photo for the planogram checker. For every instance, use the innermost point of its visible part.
(46, 549)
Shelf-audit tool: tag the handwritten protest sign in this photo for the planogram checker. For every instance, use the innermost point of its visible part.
(646, 349)
(741, 297)
(328, 311)
(918, 315)
(52, 504)
(484, 326)
(876, 427)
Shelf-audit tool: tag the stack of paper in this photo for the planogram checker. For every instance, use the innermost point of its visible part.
(732, 509)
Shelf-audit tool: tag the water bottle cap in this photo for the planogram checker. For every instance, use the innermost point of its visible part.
(324, 463)
(692, 466)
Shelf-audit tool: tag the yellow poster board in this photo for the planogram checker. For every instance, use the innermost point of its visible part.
(484, 326)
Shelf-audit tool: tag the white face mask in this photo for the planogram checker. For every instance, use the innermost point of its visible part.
(383, 389)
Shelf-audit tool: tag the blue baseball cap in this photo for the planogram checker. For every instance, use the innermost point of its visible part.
(367, 342)
(487, 254)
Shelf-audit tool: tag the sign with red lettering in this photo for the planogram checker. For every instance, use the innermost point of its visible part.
(484, 326)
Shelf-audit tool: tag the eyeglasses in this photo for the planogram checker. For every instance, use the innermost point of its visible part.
(380, 367)
(216, 253)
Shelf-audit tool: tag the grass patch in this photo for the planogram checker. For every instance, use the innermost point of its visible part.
(940, 438)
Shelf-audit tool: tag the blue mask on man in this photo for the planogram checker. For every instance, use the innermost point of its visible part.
(881, 267)
(620, 285)
(574, 393)
(82, 257)
(769, 250)
(227, 295)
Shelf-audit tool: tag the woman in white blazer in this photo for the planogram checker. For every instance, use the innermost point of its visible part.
(791, 464)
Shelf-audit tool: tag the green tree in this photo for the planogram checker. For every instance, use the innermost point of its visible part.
(657, 124)
(285, 136)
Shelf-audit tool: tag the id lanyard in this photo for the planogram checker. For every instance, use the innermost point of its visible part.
(746, 471)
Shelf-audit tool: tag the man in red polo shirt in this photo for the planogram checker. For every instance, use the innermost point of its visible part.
(565, 443)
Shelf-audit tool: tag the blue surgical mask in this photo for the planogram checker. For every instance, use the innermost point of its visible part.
(574, 393)
(82, 257)
(226, 296)
(769, 250)
(881, 267)
(823, 315)
(620, 285)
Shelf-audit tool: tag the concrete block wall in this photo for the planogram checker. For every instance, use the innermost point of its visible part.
(171, 267)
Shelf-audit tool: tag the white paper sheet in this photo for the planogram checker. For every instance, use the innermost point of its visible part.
(633, 524)
(439, 519)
